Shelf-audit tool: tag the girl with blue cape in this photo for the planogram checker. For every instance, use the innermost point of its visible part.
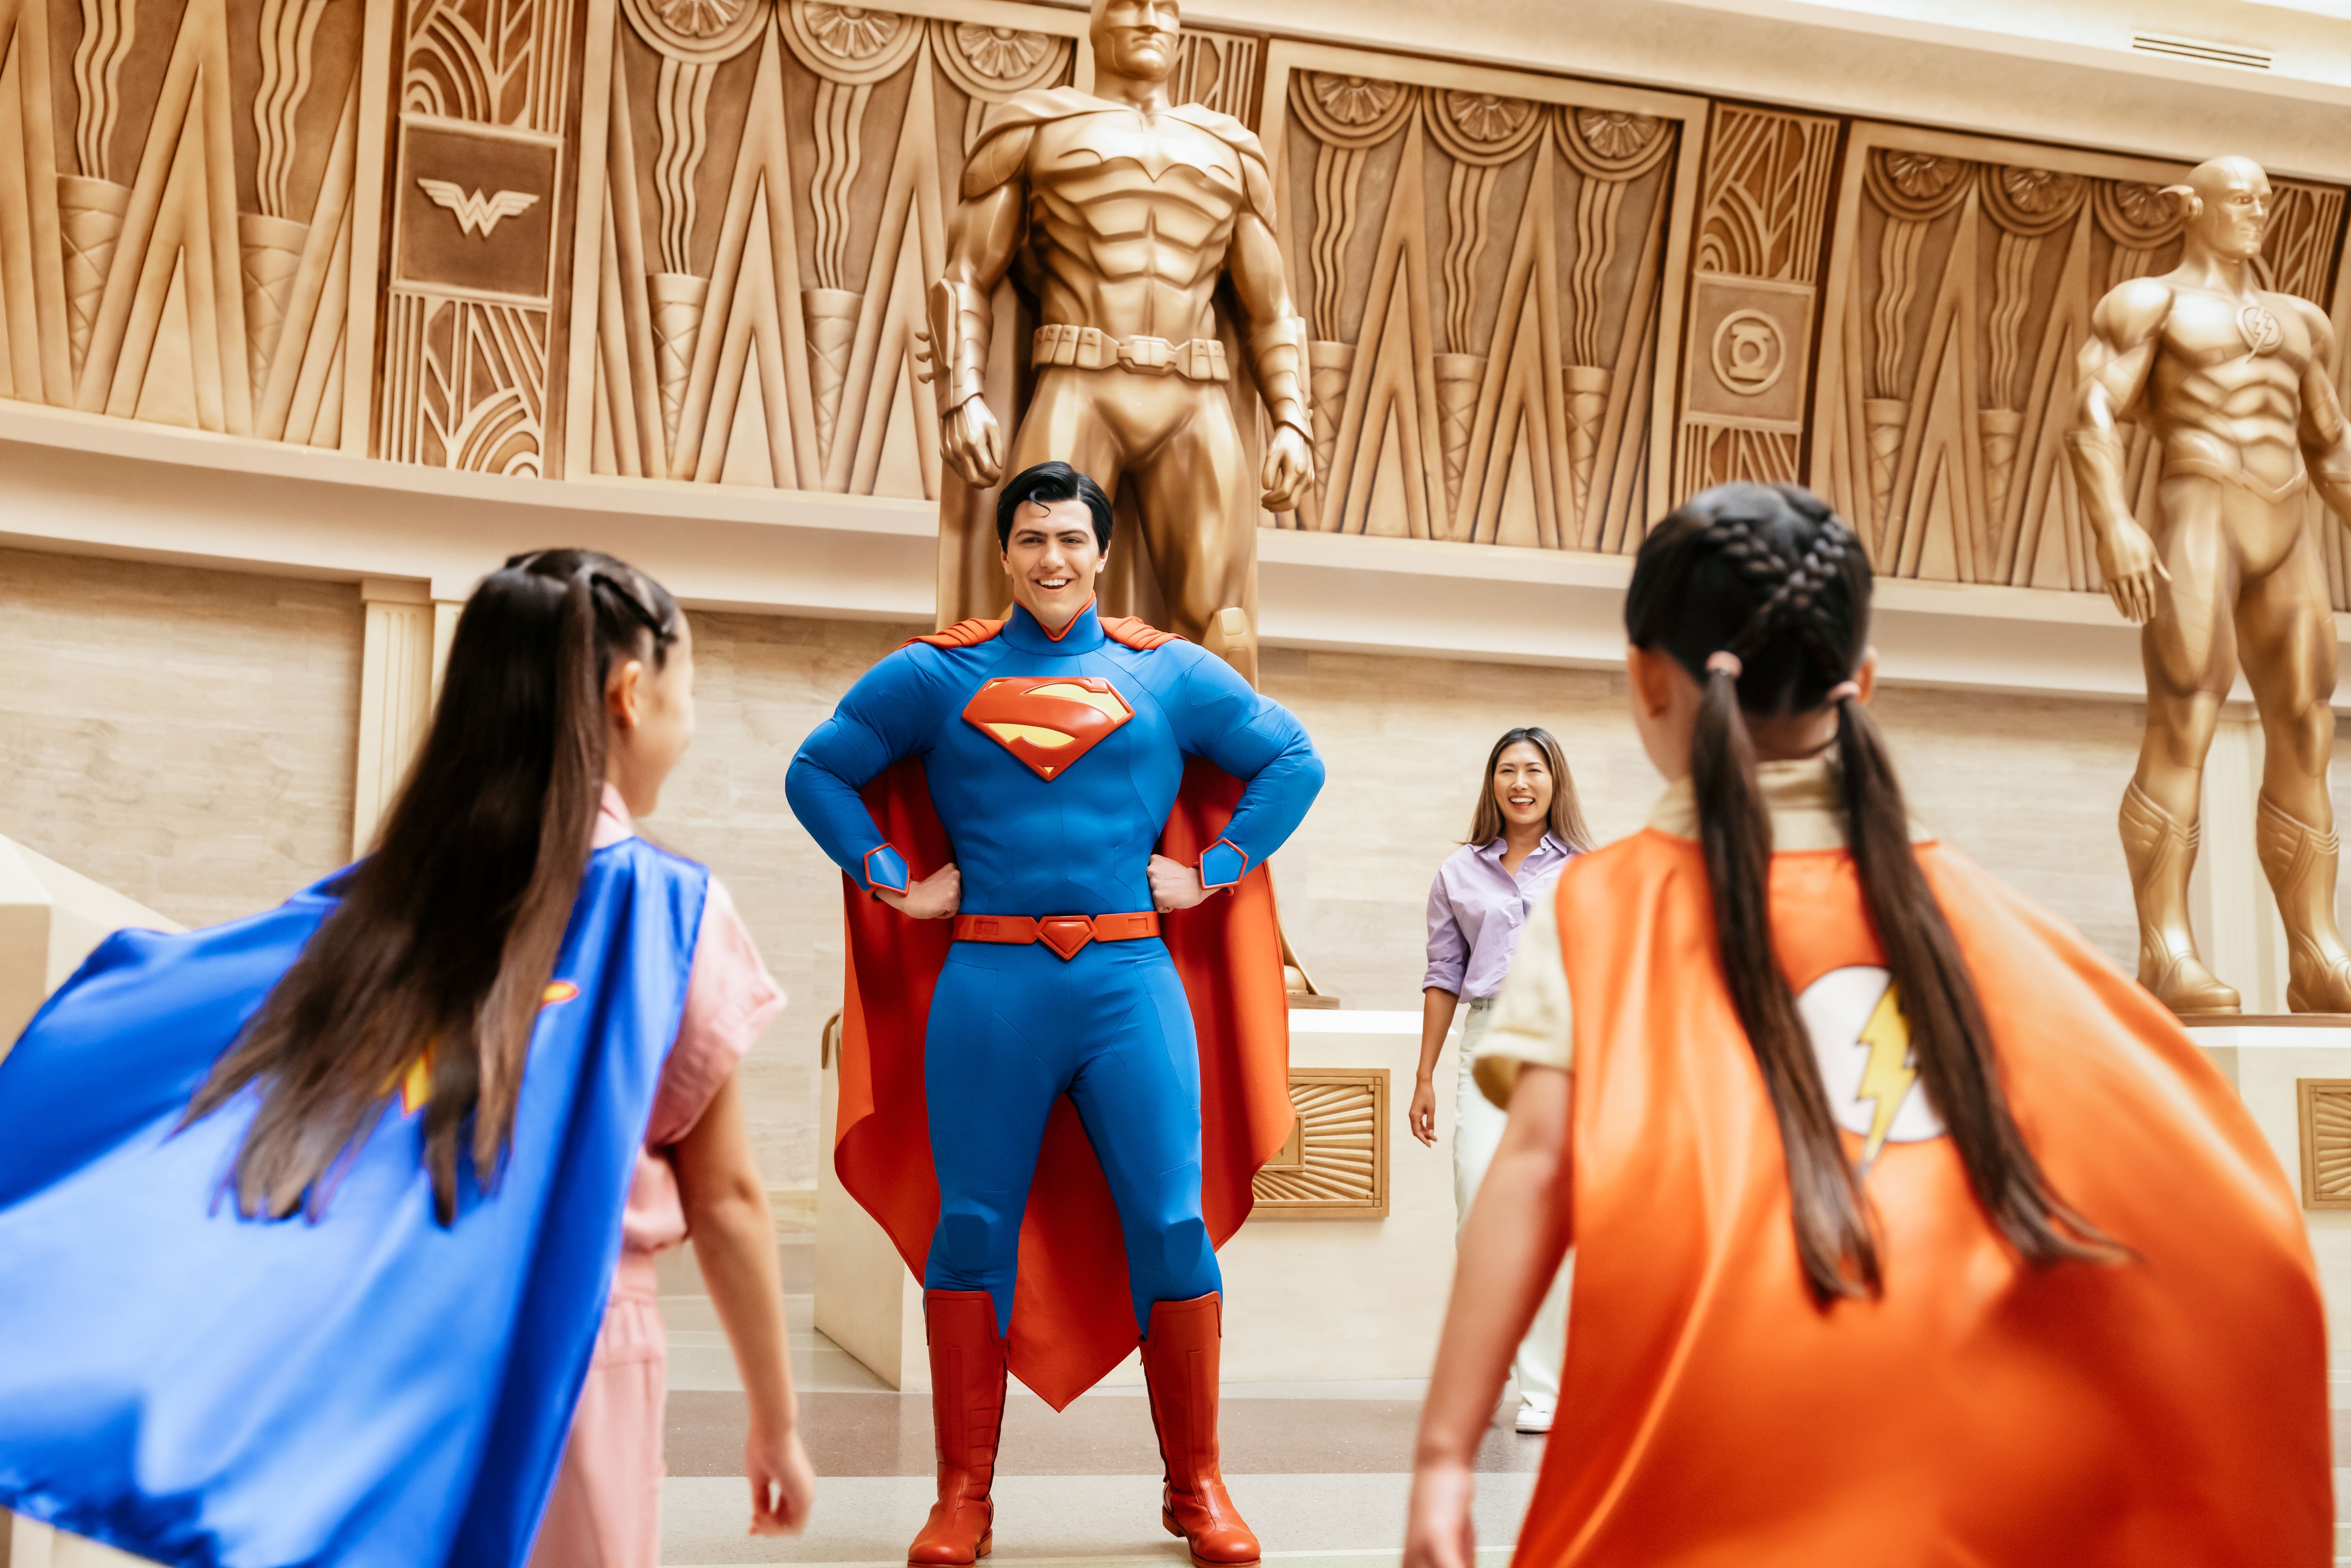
(308, 1221)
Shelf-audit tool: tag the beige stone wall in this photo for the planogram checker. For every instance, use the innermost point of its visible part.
(184, 737)
(761, 683)
(2027, 785)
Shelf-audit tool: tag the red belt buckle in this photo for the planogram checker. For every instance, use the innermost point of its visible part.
(1065, 934)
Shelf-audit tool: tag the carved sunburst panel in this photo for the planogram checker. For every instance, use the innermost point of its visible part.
(992, 63)
(2326, 1107)
(1335, 1165)
(1351, 111)
(855, 46)
(1483, 128)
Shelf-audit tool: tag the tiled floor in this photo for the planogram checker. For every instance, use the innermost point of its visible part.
(1321, 1469)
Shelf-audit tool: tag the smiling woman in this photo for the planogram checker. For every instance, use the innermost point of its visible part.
(1527, 824)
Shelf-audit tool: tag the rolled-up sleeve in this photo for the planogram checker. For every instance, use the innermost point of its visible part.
(1449, 950)
(1533, 1020)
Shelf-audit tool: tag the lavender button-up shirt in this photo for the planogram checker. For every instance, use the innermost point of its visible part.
(1476, 910)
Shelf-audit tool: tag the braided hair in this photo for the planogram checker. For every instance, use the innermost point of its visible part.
(441, 942)
(1762, 594)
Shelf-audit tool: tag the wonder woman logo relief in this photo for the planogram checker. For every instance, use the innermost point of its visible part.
(1048, 721)
(1863, 1044)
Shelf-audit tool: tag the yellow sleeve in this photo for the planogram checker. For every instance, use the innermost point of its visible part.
(1532, 1017)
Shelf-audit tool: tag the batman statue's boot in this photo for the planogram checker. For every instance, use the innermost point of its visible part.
(2160, 852)
(2300, 860)
(1180, 1359)
(967, 1414)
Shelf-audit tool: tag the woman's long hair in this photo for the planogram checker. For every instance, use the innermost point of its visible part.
(445, 936)
(1771, 575)
(1565, 823)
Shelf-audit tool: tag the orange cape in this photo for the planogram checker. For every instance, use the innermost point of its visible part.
(2168, 1409)
(1074, 1318)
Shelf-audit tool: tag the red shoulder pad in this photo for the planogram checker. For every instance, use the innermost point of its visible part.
(961, 634)
(1130, 631)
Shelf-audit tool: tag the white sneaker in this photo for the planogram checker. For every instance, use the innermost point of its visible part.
(1533, 1419)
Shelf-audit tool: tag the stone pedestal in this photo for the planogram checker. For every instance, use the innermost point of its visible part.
(1306, 1299)
(2294, 1073)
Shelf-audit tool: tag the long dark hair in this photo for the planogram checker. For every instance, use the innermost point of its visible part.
(1771, 577)
(1567, 819)
(445, 935)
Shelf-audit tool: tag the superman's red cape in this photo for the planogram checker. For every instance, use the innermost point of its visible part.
(1072, 1317)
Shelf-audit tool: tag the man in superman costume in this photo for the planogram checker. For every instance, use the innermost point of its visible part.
(1055, 1103)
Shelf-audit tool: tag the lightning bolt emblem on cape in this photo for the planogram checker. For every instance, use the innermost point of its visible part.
(1888, 1075)
(476, 212)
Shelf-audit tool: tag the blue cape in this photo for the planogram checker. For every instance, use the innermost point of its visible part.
(369, 1388)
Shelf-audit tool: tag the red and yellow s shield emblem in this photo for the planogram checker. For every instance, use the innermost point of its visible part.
(1048, 721)
(415, 1083)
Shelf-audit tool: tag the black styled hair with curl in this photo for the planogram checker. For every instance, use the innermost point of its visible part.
(1770, 576)
(1044, 484)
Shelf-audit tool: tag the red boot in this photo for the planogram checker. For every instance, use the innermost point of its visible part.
(1179, 1365)
(966, 1414)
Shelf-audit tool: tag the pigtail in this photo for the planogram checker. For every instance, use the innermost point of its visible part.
(1948, 1038)
(1833, 1242)
(1762, 594)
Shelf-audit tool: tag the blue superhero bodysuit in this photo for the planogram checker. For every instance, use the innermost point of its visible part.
(1054, 800)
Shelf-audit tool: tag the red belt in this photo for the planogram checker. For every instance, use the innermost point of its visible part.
(1064, 934)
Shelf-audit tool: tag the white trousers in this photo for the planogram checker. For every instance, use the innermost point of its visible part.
(1477, 1125)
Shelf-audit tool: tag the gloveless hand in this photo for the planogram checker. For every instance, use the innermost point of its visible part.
(2128, 559)
(1289, 469)
(1174, 884)
(1421, 1116)
(974, 442)
(1437, 1532)
(783, 1482)
(935, 897)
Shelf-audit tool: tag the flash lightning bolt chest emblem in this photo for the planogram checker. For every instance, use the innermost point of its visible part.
(1862, 1042)
(1887, 1074)
(476, 212)
(1047, 721)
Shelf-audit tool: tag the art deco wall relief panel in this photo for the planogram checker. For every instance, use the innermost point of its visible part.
(473, 331)
(1491, 264)
(771, 190)
(1963, 275)
(1754, 284)
(177, 209)
(776, 181)
(688, 242)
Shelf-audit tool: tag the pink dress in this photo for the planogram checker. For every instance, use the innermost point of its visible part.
(605, 1511)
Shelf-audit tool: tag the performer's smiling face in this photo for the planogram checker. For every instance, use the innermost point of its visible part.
(1052, 559)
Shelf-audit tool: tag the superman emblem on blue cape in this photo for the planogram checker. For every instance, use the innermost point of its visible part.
(369, 1388)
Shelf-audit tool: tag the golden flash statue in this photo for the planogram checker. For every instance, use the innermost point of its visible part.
(1123, 211)
(2231, 382)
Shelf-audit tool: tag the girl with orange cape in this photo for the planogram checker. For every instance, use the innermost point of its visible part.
(1909, 1230)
